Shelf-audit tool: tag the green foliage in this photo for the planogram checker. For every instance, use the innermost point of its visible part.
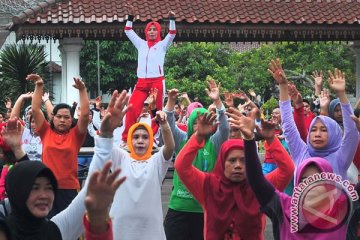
(189, 64)
(118, 62)
(299, 61)
(16, 62)
(269, 106)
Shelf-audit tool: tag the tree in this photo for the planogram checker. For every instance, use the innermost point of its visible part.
(189, 65)
(118, 61)
(299, 61)
(16, 62)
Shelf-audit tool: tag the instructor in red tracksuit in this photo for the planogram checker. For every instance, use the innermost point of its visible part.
(150, 70)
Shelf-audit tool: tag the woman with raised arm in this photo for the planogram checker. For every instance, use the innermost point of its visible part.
(319, 208)
(185, 218)
(150, 69)
(325, 138)
(230, 208)
(136, 210)
(31, 142)
(31, 188)
(61, 139)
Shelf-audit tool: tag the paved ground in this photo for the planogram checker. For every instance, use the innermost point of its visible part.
(165, 195)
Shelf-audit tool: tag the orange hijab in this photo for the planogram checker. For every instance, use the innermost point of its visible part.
(132, 129)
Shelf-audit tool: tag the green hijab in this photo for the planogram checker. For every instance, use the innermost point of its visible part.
(181, 199)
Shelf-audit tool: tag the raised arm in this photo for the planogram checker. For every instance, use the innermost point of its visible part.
(48, 105)
(222, 133)
(350, 136)
(100, 193)
(284, 172)
(37, 99)
(69, 221)
(193, 178)
(168, 139)
(172, 31)
(12, 137)
(178, 134)
(130, 33)
(299, 116)
(297, 146)
(263, 190)
(324, 102)
(83, 120)
(15, 112)
(318, 81)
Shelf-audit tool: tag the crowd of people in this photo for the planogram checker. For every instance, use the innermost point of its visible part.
(307, 182)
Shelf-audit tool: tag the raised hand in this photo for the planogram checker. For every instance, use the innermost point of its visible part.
(252, 93)
(241, 95)
(318, 78)
(173, 94)
(295, 95)
(171, 14)
(213, 90)
(98, 102)
(206, 125)
(324, 99)
(229, 99)
(8, 103)
(337, 80)
(276, 70)
(12, 133)
(267, 130)
(152, 97)
(44, 97)
(161, 117)
(115, 113)
(36, 79)
(246, 124)
(78, 84)
(100, 193)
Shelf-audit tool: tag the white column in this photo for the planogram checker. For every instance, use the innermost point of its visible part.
(70, 56)
(357, 53)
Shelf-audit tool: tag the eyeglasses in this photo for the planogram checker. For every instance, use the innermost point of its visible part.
(65, 117)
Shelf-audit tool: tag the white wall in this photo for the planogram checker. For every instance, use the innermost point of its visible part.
(51, 48)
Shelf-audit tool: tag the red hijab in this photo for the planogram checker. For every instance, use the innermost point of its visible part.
(231, 207)
(158, 28)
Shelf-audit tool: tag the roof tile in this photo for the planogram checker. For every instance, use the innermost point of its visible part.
(221, 11)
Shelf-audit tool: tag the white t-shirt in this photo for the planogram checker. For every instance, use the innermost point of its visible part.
(32, 145)
(137, 210)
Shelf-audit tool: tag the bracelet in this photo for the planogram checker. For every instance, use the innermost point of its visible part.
(46, 100)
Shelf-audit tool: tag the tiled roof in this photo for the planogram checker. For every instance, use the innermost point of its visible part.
(201, 13)
(221, 11)
(53, 67)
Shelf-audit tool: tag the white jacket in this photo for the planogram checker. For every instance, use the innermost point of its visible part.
(150, 60)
